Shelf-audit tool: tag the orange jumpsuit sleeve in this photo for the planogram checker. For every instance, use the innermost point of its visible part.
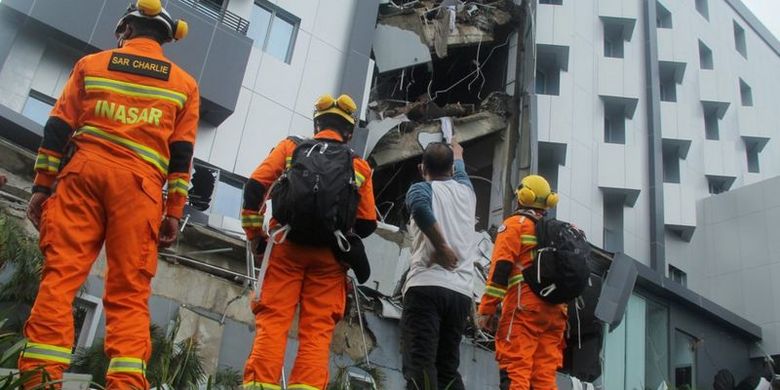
(181, 146)
(506, 253)
(63, 120)
(259, 182)
(366, 211)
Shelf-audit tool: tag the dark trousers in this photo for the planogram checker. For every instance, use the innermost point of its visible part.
(432, 326)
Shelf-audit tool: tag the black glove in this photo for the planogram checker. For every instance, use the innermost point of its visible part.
(356, 257)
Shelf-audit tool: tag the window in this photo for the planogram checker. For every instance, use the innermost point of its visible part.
(273, 30)
(613, 222)
(216, 192)
(636, 353)
(668, 89)
(684, 360)
(703, 8)
(752, 160)
(548, 79)
(228, 198)
(745, 93)
(614, 124)
(719, 184)
(38, 106)
(552, 2)
(739, 40)
(613, 40)
(671, 164)
(678, 275)
(663, 17)
(711, 125)
(705, 57)
(86, 315)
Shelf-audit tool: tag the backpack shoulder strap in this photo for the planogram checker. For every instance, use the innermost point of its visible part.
(529, 214)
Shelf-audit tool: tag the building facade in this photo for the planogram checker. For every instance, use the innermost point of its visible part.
(653, 120)
(644, 112)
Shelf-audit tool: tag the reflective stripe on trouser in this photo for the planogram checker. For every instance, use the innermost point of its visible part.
(260, 386)
(126, 364)
(309, 276)
(300, 386)
(533, 350)
(89, 208)
(47, 352)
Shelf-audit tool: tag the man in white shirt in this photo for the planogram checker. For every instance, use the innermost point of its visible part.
(438, 290)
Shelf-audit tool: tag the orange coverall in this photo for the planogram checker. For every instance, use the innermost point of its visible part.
(296, 274)
(529, 339)
(132, 117)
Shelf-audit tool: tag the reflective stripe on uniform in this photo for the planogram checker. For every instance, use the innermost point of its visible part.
(359, 179)
(515, 280)
(47, 162)
(178, 185)
(146, 153)
(301, 386)
(528, 239)
(495, 292)
(287, 162)
(135, 90)
(261, 386)
(48, 352)
(126, 364)
(251, 220)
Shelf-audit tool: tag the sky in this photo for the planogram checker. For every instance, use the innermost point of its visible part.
(768, 12)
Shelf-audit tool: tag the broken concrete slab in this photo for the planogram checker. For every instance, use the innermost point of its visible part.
(397, 48)
(396, 146)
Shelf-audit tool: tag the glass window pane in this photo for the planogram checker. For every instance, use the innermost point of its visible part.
(227, 200)
(656, 345)
(280, 38)
(37, 109)
(258, 27)
(684, 361)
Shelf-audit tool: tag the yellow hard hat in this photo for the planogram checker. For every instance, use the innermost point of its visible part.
(534, 191)
(153, 10)
(344, 107)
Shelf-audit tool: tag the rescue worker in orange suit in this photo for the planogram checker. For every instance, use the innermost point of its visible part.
(309, 276)
(529, 338)
(127, 120)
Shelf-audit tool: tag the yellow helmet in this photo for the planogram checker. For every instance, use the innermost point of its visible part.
(534, 191)
(344, 107)
(153, 10)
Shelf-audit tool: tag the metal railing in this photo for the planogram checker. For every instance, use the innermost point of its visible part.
(219, 13)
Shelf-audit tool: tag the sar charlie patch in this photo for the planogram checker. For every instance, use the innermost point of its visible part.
(501, 228)
(142, 66)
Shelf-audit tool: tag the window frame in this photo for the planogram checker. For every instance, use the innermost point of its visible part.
(94, 306)
(614, 125)
(745, 94)
(703, 8)
(706, 57)
(41, 97)
(662, 16)
(277, 12)
(740, 39)
(753, 160)
(711, 126)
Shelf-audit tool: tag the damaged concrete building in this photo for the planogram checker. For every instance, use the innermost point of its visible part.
(593, 94)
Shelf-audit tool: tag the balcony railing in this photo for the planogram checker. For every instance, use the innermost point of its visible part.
(219, 13)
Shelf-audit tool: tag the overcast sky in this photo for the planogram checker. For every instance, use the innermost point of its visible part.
(768, 12)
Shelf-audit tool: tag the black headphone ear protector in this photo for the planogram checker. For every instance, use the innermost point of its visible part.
(527, 197)
(153, 8)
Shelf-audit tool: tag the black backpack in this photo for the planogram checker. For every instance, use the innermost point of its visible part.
(317, 196)
(559, 272)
